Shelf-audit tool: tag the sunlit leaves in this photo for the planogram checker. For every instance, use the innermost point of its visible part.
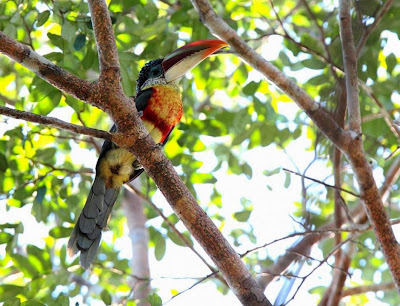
(154, 300)
(79, 42)
(60, 232)
(10, 291)
(229, 110)
(42, 18)
(106, 297)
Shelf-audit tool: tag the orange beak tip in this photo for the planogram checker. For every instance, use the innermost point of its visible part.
(182, 60)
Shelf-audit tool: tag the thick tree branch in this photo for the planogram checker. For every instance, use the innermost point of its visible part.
(54, 122)
(350, 66)
(41, 66)
(122, 109)
(356, 155)
(104, 33)
(317, 113)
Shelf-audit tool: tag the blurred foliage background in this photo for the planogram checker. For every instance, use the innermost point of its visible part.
(237, 133)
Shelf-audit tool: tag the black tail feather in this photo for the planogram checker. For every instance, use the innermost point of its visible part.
(86, 235)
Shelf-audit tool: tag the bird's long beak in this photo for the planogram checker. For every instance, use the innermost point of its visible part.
(182, 60)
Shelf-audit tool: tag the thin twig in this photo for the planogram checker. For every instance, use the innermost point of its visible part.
(322, 183)
(322, 33)
(369, 288)
(372, 26)
(334, 250)
(54, 122)
(352, 229)
(192, 286)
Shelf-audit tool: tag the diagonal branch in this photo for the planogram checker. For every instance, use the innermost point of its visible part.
(317, 113)
(350, 66)
(54, 122)
(322, 183)
(42, 67)
(372, 27)
(369, 288)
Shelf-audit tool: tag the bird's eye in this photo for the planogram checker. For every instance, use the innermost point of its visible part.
(155, 72)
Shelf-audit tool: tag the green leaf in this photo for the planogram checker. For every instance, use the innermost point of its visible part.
(54, 56)
(89, 58)
(68, 30)
(154, 300)
(177, 240)
(106, 297)
(3, 163)
(272, 172)
(50, 102)
(62, 300)
(202, 178)
(242, 216)
(41, 255)
(33, 287)
(251, 88)
(287, 180)
(160, 247)
(284, 58)
(246, 169)
(24, 265)
(79, 42)
(42, 18)
(32, 303)
(46, 154)
(10, 291)
(76, 104)
(40, 193)
(56, 40)
(5, 237)
(152, 12)
(391, 62)
(60, 232)
(12, 302)
(314, 63)
(318, 80)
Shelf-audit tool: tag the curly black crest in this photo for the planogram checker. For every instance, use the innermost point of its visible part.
(144, 73)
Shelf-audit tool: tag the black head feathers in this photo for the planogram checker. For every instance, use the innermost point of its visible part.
(144, 73)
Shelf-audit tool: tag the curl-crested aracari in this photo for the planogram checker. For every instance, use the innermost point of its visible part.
(158, 101)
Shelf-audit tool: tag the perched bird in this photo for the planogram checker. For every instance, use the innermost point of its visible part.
(158, 101)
